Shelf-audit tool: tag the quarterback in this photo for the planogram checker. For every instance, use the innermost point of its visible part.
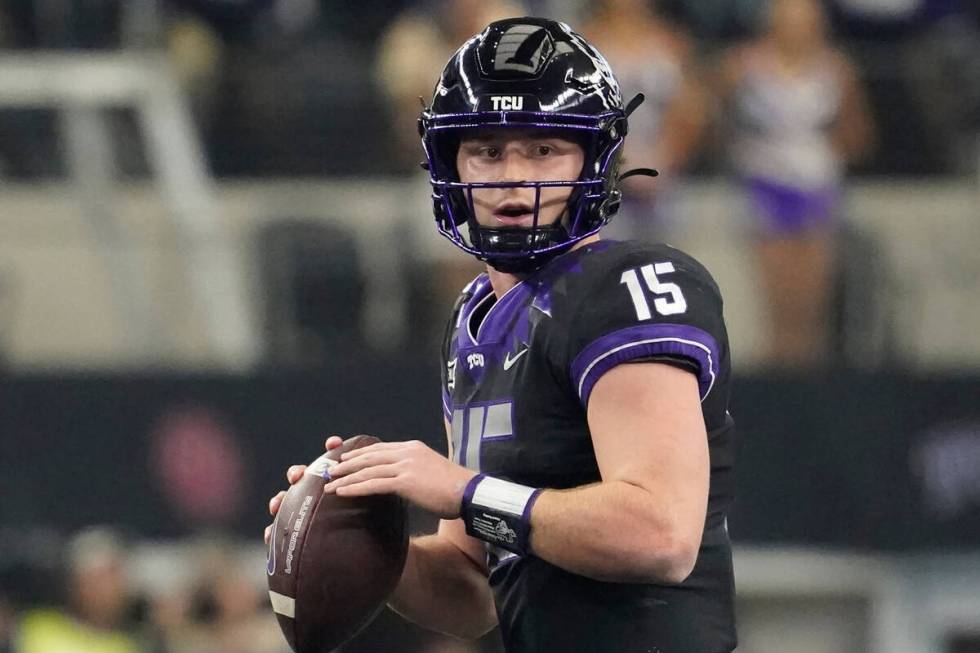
(585, 382)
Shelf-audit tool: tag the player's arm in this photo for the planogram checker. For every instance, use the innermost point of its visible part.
(643, 352)
(643, 522)
(444, 584)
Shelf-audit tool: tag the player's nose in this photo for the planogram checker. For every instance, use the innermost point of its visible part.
(516, 168)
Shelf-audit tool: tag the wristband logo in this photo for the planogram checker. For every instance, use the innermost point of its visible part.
(493, 528)
(505, 532)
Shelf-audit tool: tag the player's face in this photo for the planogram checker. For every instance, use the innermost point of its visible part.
(507, 155)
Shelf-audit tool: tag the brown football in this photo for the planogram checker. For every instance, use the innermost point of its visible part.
(333, 561)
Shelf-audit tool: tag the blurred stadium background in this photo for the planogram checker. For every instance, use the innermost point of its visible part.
(216, 249)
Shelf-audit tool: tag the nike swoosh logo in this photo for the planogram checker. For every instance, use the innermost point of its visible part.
(509, 362)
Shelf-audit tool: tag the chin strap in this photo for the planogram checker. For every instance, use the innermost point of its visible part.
(635, 172)
(632, 104)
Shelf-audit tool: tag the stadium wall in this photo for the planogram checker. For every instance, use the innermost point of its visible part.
(908, 254)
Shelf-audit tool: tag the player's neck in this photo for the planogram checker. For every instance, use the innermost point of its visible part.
(501, 282)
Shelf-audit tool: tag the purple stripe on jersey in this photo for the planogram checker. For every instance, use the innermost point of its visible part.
(643, 341)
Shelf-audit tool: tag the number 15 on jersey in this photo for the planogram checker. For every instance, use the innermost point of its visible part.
(671, 304)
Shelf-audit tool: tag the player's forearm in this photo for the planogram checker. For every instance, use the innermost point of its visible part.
(615, 531)
(442, 589)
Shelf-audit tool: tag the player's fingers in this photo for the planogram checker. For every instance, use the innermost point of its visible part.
(294, 473)
(333, 442)
(275, 502)
(373, 448)
(268, 534)
(369, 473)
(369, 487)
(371, 459)
(357, 453)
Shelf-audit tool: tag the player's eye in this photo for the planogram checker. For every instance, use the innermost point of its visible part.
(491, 152)
(543, 150)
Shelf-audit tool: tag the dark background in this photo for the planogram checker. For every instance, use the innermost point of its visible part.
(833, 459)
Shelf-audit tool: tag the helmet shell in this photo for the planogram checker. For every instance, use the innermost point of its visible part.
(525, 73)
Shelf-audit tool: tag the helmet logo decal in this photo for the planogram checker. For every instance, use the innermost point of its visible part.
(507, 102)
(523, 48)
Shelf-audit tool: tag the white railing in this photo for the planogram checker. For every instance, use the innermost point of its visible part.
(79, 86)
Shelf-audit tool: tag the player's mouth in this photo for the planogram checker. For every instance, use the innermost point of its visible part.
(514, 214)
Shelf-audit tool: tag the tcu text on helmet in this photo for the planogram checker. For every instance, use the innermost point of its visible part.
(507, 102)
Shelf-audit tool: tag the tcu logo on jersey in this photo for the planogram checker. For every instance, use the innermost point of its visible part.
(507, 102)
(475, 360)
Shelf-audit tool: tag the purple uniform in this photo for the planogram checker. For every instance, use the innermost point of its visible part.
(517, 376)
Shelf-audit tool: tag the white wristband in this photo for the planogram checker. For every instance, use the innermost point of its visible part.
(499, 512)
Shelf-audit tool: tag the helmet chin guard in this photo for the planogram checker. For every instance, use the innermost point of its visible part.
(516, 240)
(532, 74)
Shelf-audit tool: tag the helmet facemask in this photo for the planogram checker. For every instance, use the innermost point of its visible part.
(592, 201)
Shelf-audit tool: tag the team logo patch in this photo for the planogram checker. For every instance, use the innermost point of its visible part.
(524, 49)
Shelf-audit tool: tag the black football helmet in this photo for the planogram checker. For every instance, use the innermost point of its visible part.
(526, 73)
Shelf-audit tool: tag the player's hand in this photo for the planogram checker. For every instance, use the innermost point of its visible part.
(293, 474)
(411, 470)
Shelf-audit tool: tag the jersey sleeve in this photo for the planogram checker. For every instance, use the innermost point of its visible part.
(656, 305)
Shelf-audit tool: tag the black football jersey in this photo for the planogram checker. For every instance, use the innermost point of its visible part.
(517, 375)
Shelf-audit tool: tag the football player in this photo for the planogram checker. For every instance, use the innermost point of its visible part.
(585, 382)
